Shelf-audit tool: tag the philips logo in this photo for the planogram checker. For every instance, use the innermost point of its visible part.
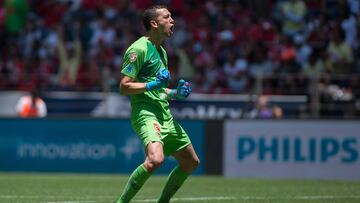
(295, 149)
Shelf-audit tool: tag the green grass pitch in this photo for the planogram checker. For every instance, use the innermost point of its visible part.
(96, 188)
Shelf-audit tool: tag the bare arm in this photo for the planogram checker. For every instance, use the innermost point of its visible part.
(167, 90)
(128, 86)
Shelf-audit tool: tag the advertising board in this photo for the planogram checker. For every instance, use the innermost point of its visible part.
(79, 145)
(292, 149)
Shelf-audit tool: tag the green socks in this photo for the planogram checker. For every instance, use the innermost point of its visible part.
(174, 181)
(135, 182)
(137, 179)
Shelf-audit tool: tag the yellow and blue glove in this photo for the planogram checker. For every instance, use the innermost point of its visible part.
(182, 91)
(163, 79)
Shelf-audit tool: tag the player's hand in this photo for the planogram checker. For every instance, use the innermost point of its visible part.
(182, 91)
(163, 79)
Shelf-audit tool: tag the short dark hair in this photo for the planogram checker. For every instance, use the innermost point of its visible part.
(151, 14)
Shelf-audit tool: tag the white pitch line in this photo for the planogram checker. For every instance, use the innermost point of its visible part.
(193, 199)
(190, 199)
(45, 196)
(316, 197)
(73, 202)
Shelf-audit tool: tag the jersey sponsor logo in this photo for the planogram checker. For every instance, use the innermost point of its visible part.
(133, 57)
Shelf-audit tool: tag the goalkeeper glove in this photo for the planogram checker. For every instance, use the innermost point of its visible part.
(162, 80)
(182, 91)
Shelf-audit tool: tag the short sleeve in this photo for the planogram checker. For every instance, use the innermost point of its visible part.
(133, 61)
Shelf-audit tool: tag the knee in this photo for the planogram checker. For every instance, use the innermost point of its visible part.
(154, 162)
(190, 165)
(195, 163)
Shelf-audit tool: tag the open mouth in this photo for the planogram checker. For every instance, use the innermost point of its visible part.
(172, 28)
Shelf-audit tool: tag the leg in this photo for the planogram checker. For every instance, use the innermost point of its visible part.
(154, 158)
(187, 158)
(188, 161)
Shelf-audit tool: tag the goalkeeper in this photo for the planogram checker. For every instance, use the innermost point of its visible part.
(146, 77)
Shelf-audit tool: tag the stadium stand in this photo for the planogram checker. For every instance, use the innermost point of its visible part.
(271, 47)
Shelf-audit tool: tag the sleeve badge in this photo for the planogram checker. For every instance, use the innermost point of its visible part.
(128, 68)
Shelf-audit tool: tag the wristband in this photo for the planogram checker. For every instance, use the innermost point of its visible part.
(173, 94)
(151, 85)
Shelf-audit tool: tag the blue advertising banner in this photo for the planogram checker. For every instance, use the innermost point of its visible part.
(292, 149)
(79, 145)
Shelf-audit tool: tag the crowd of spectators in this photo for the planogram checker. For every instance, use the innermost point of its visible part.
(222, 46)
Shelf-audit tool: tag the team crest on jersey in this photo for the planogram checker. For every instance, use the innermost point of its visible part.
(157, 129)
(132, 57)
(162, 95)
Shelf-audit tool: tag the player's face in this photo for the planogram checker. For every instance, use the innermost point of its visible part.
(165, 22)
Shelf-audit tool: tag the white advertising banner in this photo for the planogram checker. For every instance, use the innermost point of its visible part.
(292, 149)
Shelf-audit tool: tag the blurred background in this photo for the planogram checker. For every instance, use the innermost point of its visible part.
(247, 60)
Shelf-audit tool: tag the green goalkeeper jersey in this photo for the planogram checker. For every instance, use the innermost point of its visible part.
(142, 61)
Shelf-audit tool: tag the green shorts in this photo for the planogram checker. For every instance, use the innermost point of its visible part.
(169, 133)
